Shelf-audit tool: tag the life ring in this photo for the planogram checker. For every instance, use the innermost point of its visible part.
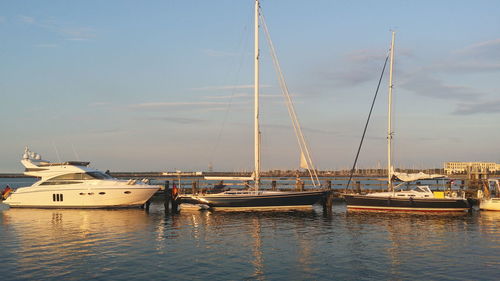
(454, 194)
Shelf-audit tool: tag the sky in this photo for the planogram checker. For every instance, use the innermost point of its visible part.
(167, 85)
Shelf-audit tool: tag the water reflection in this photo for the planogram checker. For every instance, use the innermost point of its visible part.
(490, 223)
(53, 243)
(297, 245)
(250, 239)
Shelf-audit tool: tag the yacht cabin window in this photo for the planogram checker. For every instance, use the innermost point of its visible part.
(82, 176)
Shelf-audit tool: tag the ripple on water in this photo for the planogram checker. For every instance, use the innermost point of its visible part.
(296, 245)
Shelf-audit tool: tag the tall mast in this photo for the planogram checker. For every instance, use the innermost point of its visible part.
(389, 119)
(256, 93)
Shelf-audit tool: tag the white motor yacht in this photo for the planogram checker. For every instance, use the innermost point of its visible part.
(74, 184)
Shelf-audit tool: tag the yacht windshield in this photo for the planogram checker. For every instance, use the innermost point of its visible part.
(99, 175)
(82, 176)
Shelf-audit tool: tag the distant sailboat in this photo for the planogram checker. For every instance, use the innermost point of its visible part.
(489, 199)
(420, 198)
(255, 197)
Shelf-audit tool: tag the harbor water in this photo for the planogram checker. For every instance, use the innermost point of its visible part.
(133, 244)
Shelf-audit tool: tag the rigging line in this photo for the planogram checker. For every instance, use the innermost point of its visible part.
(57, 152)
(367, 122)
(283, 86)
(243, 44)
(291, 110)
(74, 151)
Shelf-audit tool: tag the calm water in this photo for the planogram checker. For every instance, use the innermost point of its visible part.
(288, 245)
(285, 245)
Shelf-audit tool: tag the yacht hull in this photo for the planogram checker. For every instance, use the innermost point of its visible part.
(73, 197)
(260, 200)
(492, 204)
(366, 202)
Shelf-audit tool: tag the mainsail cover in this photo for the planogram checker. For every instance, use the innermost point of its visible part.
(406, 177)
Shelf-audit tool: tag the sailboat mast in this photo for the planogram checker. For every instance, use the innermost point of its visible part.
(256, 94)
(389, 120)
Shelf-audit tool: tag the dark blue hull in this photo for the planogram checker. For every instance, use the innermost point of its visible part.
(364, 202)
(278, 199)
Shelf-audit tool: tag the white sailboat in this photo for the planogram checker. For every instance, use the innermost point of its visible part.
(489, 198)
(255, 197)
(74, 184)
(420, 198)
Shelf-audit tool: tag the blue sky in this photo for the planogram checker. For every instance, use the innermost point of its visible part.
(165, 85)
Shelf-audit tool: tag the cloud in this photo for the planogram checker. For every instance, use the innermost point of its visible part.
(355, 68)
(228, 97)
(179, 120)
(69, 32)
(486, 107)
(184, 106)
(2, 19)
(424, 85)
(304, 129)
(99, 104)
(227, 87)
(245, 96)
(479, 57)
(46, 45)
(214, 53)
(484, 50)
(175, 104)
(26, 19)
(77, 33)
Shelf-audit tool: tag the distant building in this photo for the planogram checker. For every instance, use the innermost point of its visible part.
(463, 167)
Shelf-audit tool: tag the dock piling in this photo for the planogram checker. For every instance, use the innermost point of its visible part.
(328, 201)
(166, 196)
(194, 188)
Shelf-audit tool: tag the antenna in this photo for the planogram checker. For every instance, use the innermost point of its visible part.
(57, 152)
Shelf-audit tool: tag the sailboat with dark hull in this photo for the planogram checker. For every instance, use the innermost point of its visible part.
(418, 199)
(255, 197)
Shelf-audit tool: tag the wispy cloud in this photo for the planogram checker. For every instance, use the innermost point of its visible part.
(354, 68)
(68, 31)
(215, 53)
(485, 107)
(199, 105)
(479, 57)
(172, 104)
(179, 120)
(485, 49)
(77, 33)
(27, 19)
(227, 87)
(228, 96)
(424, 85)
(99, 104)
(243, 96)
(476, 58)
(46, 45)
(304, 129)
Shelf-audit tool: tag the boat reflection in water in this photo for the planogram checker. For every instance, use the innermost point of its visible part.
(490, 224)
(131, 244)
(53, 243)
(250, 240)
